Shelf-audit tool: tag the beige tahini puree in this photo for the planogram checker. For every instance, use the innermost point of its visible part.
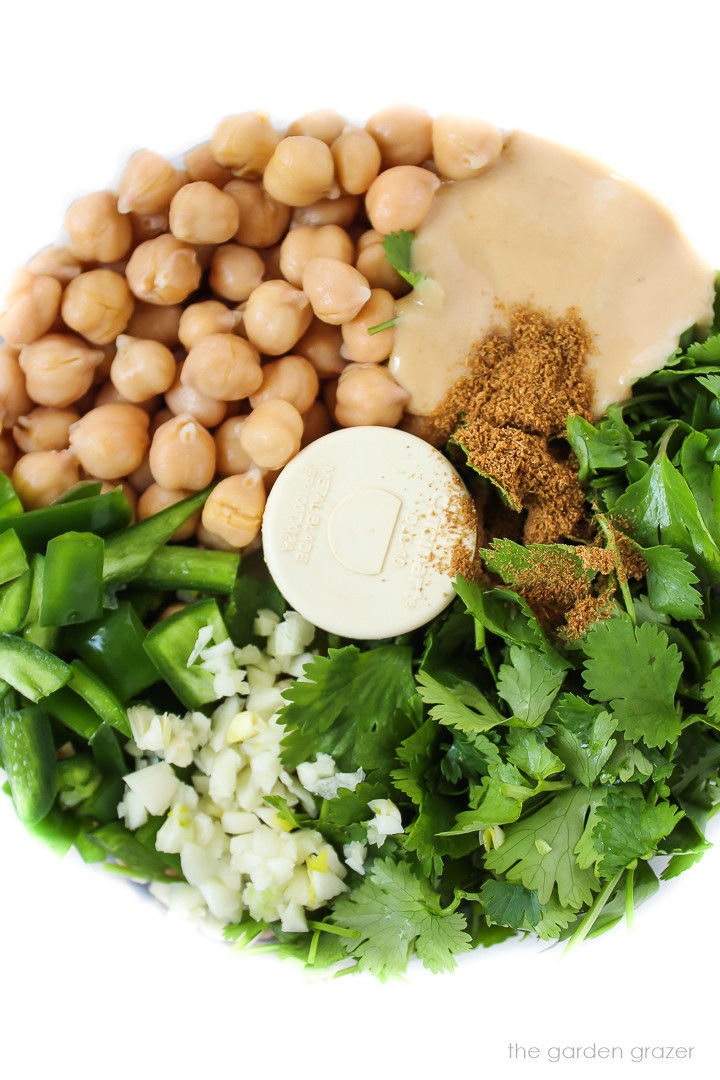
(548, 227)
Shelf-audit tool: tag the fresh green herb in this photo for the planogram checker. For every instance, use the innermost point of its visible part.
(397, 247)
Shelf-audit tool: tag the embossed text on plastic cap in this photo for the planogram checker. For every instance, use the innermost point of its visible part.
(362, 529)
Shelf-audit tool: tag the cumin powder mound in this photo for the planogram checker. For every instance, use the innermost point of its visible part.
(510, 410)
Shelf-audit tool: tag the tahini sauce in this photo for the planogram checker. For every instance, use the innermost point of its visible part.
(549, 227)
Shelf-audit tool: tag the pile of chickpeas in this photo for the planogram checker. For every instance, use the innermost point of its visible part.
(211, 320)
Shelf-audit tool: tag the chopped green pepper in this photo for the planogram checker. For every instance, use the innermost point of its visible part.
(83, 490)
(10, 505)
(113, 649)
(13, 561)
(28, 755)
(100, 514)
(78, 779)
(203, 570)
(33, 630)
(15, 602)
(99, 697)
(128, 551)
(72, 711)
(171, 643)
(120, 844)
(107, 752)
(33, 671)
(72, 580)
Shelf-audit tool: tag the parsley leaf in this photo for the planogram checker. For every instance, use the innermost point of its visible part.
(393, 910)
(538, 851)
(529, 684)
(344, 696)
(397, 247)
(628, 828)
(637, 671)
(596, 448)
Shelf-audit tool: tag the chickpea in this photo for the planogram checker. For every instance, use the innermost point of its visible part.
(276, 316)
(301, 171)
(321, 344)
(211, 540)
(400, 198)
(59, 368)
(156, 498)
(263, 220)
(340, 211)
(159, 323)
(14, 398)
(316, 423)
(98, 305)
(231, 457)
(368, 394)
(98, 231)
(361, 346)
(464, 147)
(163, 270)
(201, 165)
(8, 453)
(271, 261)
(110, 395)
(200, 213)
(308, 242)
(403, 133)
(171, 609)
(357, 160)
(30, 307)
(235, 271)
(148, 226)
(56, 262)
(160, 417)
(244, 143)
(43, 476)
(204, 254)
(206, 317)
(182, 455)
(372, 263)
(292, 378)
(148, 184)
(323, 124)
(182, 399)
(142, 368)
(329, 394)
(223, 366)
(110, 440)
(271, 434)
(234, 509)
(44, 428)
(141, 478)
(336, 291)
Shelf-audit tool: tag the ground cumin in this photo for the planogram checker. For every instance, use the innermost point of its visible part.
(509, 415)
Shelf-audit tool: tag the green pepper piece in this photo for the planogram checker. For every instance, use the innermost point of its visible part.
(33, 672)
(113, 649)
(10, 505)
(33, 630)
(102, 807)
(107, 752)
(100, 514)
(28, 755)
(170, 644)
(15, 602)
(120, 844)
(73, 712)
(128, 551)
(57, 830)
(72, 580)
(99, 697)
(13, 561)
(173, 568)
(78, 779)
(82, 490)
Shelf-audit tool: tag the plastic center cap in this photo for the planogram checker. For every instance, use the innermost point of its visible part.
(363, 532)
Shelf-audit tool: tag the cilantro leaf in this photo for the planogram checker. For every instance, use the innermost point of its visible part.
(344, 696)
(711, 694)
(397, 247)
(583, 741)
(502, 612)
(628, 828)
(671, 582)
(531, 754)
(498, 799)
(702, 476)
(509, 905)
(637, 671)
(538, 851)
(706, 351)
(448, 707)
(596, 448)
(394, 912)
(529, 684)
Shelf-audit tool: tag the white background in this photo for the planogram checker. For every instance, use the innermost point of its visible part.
(94, 980)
